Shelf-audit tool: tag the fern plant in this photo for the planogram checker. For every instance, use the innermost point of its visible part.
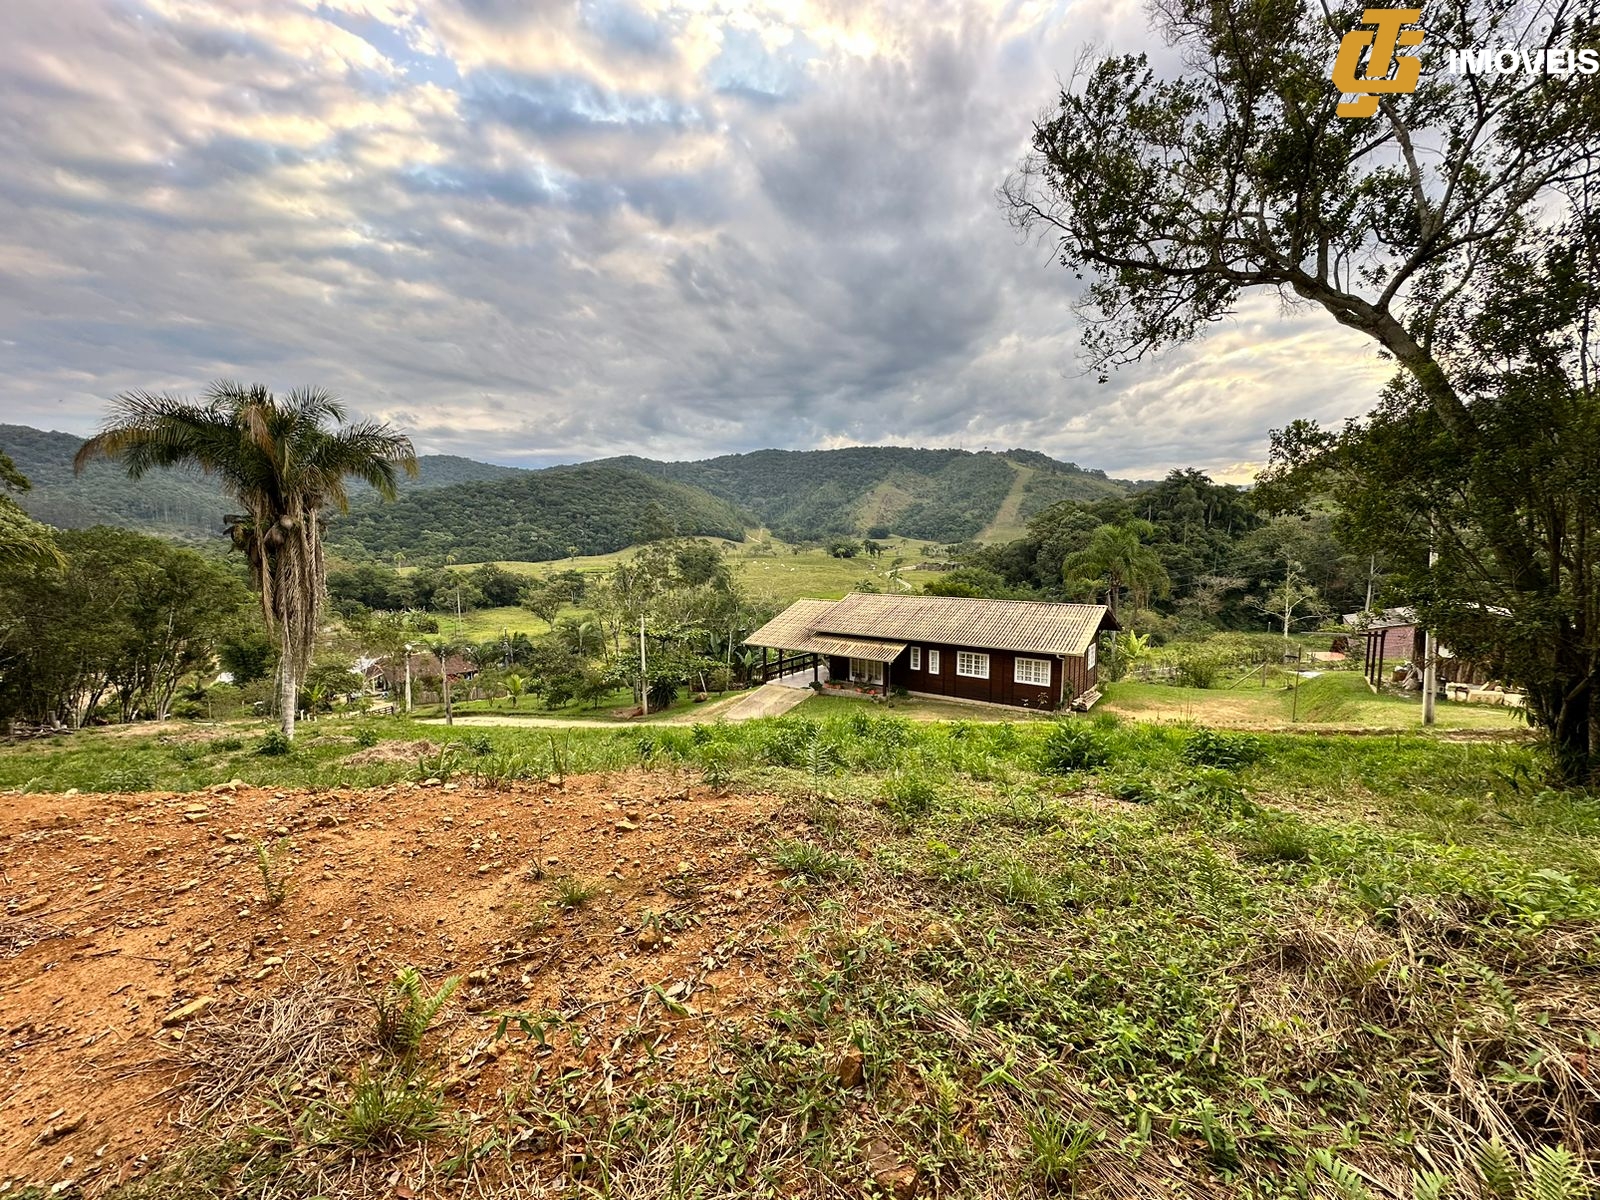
(1549, 1173)
(406, 1010)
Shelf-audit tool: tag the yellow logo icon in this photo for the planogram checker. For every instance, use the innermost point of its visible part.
(1386, 38)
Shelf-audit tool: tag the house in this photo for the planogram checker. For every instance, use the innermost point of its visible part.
(1396, 637)
(1392, 636)
(1027, 653)
(386, 675)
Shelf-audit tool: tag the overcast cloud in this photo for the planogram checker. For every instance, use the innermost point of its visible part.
(532, 232)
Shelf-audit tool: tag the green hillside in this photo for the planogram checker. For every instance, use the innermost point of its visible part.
(944, 495)
(170, 502)
(535, 515)
(481, 511)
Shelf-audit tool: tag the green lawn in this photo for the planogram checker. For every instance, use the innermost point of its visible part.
(785, 574)
(918, 708)
(1337, 698)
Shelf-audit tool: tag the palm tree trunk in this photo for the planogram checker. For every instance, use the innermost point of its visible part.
(288, 686)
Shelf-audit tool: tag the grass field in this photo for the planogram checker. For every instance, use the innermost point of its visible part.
(1336, 699)
(1088, 957)
(779, 578)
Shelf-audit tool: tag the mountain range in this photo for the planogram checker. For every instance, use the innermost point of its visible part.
(479, 511)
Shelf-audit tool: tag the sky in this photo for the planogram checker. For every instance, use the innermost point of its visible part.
(534, 232)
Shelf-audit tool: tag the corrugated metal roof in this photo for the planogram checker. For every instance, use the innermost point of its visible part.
(1028, 626)
(792, 627)
(1025, 626)
(851, 648)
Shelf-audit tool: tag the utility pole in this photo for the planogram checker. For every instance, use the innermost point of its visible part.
(1430, 663)
(408, 676)
(1372, 574)
(644, 676)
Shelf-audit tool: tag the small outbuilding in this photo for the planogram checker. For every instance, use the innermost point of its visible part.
(1026, 653)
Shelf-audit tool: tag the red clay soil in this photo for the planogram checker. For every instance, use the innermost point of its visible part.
(121, 910)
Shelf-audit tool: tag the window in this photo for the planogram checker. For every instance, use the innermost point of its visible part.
(972, 664)
(864, 670)
(1088, 658)
(933, 662)
(916, 658)
(1035, 671)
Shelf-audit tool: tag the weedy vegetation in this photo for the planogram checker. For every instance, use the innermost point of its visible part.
(1076, 958)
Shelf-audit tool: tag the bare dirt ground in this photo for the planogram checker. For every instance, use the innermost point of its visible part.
(133, 921)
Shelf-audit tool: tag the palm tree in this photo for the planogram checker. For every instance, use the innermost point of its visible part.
(23, 541)
(1117, 556)
(284, 464)
(515, 685)
(442, 649)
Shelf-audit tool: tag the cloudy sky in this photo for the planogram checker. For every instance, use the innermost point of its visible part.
(535, 231)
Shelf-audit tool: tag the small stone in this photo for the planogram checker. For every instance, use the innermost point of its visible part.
(851, 1069)
(626, 826)
(883, 1162)
(188, 1011)
(59, 1129)
(648, 939)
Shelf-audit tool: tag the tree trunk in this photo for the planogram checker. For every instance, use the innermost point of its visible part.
(1575, 765)
(288, 689)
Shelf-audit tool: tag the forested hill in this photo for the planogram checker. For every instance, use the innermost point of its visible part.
(943, 495)
(173, 502)
(480, 511)
(535, 515)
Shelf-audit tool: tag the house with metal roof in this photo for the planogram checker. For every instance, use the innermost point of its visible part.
(1026, 653)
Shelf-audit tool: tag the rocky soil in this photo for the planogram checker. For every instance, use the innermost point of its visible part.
(136, 927)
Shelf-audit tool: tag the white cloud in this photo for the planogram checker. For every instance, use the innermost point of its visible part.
(541, 231)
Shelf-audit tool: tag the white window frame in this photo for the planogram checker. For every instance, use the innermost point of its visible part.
(866, 670)
(1088, 658)
(916, 658)
(933, 662)
(968, 664)
(1030, 676)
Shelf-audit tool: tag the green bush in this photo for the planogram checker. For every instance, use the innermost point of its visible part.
(1194, 668)
(1211, 748)
(1074, 746)
(274, 744)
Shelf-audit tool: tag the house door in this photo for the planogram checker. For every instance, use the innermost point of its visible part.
(864, 670)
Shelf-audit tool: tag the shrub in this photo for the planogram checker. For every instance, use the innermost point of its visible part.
(366, 737)
(1072, 746)
(274, 744)
(1194, 668)
(909, 795)
(716, 764)
(663, 693)
(1210, 748)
